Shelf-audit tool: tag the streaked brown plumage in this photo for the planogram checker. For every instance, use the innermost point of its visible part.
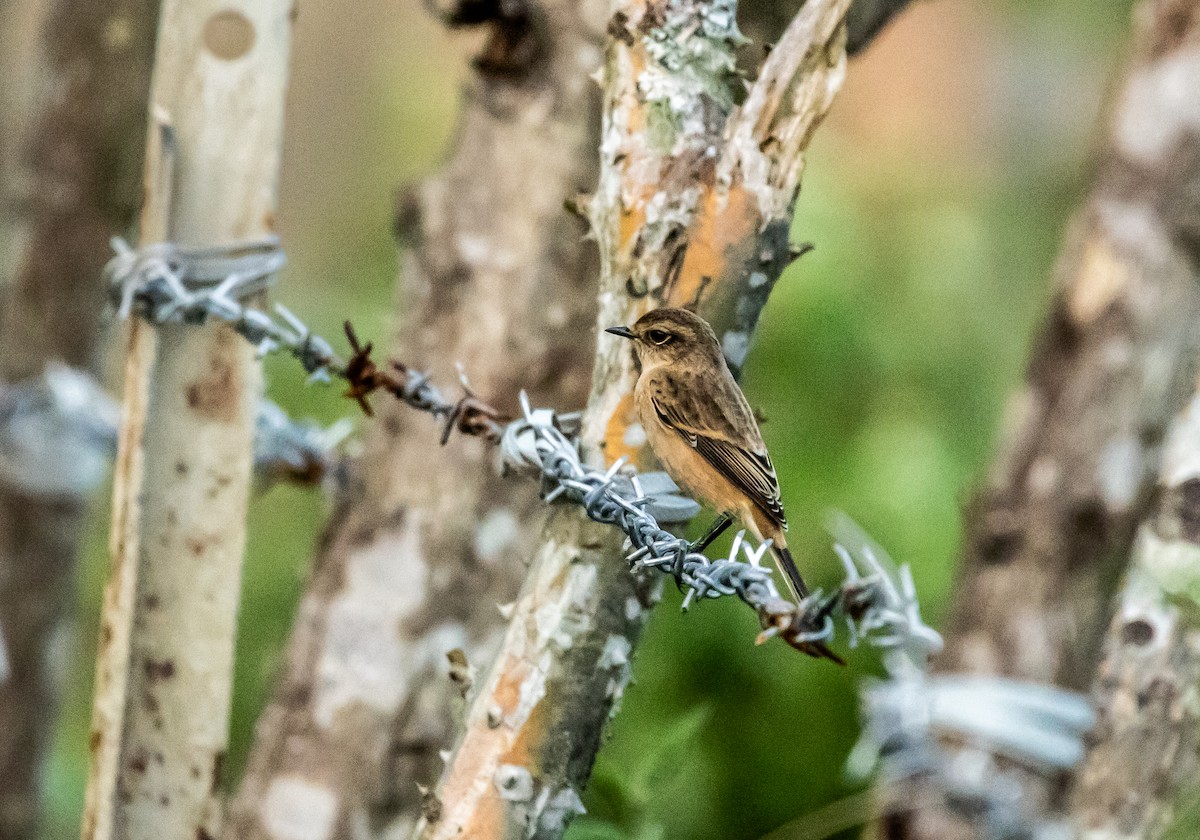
(703, 431)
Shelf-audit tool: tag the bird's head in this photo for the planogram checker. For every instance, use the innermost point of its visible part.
(669, 335)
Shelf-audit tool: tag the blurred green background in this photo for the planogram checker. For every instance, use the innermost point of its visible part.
(936, 195)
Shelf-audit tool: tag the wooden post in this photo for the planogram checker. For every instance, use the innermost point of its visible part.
(182, 475)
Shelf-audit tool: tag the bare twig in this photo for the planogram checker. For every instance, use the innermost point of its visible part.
(182, 476)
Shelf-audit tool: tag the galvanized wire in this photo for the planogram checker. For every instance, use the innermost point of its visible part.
(877, 606)
(58, 435)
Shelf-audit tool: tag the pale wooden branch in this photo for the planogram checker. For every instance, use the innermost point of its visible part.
(428, 540)
(83, 160)
(670, 231)
(1145, 751)
(182, 477)
(1051, 530)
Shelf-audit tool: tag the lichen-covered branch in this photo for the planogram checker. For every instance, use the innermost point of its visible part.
(183, 469)
(428, 540)
(83, 160)
(1145, 752)
(1054, 524)
(683, 216)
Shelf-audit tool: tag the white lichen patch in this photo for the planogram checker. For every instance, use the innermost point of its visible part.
(513, 782)
(1173, 564)
(496, 533)
(615, 658)
(616, 652)
(635, 436)
(297, 809)
(1142, 601)
(1181, 455)
(365, 656)
(556, 809)
(1119, 472)
(735, 344)
(1160, 107)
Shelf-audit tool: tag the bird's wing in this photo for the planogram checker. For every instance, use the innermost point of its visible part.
(716, 420)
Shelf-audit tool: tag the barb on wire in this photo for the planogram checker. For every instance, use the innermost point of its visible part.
(1038, 727)
(300, 451)
(469, 415)
(58, 435)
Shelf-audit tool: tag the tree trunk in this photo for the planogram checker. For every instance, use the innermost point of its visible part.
(428, 540)
(84, 155)
(1145, 752)
(182, 476)
(693, 209)
(1049, 534)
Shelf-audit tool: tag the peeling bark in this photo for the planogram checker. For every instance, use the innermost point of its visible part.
(182, 475)
(692, 209)
(428, 540)
(1145, 751)
(83, 156)
(1050, 532)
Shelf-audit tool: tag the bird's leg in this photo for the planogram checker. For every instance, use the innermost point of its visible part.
(715, 530)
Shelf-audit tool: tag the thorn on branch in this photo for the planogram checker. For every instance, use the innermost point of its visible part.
(796, 250)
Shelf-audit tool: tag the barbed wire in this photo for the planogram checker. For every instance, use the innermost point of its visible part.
(58, 435)
(166, 283)
(1032, 726)
(877, 606)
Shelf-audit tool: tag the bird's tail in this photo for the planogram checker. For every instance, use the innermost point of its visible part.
(791, 574)
(799, 591)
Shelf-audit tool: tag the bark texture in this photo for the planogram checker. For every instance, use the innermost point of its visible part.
(1145, 751)
(182, 476)
(693, 207)
(1049, 534)
(82, 160)
(428, 540)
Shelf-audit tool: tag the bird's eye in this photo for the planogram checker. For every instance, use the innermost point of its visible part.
(659, 337)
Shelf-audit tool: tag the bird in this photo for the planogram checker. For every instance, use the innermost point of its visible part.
(703, 431)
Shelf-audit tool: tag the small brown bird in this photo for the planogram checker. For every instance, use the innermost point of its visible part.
(703, 431)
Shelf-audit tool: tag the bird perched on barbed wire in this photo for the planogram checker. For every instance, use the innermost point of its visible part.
(703, 431)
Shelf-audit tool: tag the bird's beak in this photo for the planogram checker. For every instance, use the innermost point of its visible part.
(624, 332)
